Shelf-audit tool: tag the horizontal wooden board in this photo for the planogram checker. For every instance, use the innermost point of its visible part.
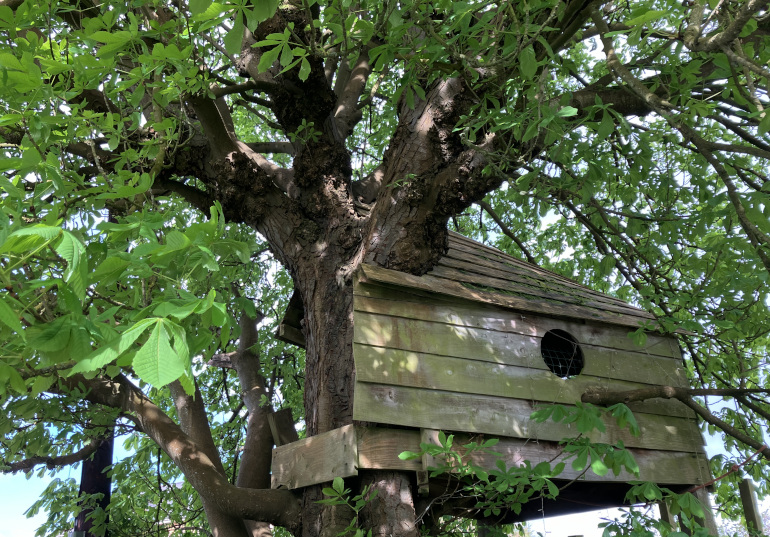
(401, 303)
(317, 459)
(419, 370)
(662, 467)
(508, 348)
(447, 287)
(414, 407)
(378, 448)
(487, 257)
(463, 271)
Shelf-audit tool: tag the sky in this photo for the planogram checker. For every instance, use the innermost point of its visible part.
(17, 494)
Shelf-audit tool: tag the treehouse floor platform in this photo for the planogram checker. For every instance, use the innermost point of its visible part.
(348, 450)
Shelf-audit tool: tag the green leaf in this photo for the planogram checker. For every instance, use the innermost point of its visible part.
(73, 251)
(764, 124)
(10, 318)
(199, 6)
(264, 9)
(156, 362)
(109, 271)
(528, 63)
(567, 111)
(606, 126)
(234, 37)
(41, 384)
(113, 348)
(338, 485)
(649, 16)
(598, 467)
(268, 59)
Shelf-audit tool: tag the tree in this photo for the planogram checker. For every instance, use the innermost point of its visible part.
(158, 155)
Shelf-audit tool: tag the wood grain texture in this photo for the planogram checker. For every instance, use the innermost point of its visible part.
(413, 407)
(316, 460)
(635, 318)
(449, 269)
(662, 467)
(400, 302)
(419, 370)
(377, 448)
(507, 348)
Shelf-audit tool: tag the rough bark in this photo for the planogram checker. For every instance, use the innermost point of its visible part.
(391, 511)
(194, 422)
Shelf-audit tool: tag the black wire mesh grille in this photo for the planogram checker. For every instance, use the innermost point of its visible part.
(561, 353)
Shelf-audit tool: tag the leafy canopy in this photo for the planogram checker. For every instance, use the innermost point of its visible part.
(623, 144)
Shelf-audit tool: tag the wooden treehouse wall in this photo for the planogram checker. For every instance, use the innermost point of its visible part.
(431, 362)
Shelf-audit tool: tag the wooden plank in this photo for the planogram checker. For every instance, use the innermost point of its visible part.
(709, 522)
(391, 301)
(662, 467)
(508, 348)
(470, 272)
(750, 507)
(462, 248)
(282, 427)
(378, 448)
(446, 287)
(419, 370)
(666, 516)
(317, 459)
(413, 407)
(289, 334)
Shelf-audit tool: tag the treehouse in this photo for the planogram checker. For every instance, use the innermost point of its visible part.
(473, 348)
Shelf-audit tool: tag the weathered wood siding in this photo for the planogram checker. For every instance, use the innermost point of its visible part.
(440, 361)
(345, 451)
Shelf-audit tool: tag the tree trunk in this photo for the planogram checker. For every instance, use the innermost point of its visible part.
(327, 296)
(95, 479)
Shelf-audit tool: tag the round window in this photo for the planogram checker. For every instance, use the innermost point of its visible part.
(561, 353)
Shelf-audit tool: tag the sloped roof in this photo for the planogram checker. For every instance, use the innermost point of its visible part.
(479, 273)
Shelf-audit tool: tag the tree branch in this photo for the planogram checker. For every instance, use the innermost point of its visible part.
(259, 85)
(347, 112)
(52, 462)
(726, 36)
(275, 506)
(506, 230)
(685, 395)
(272, 147)
(195, 197)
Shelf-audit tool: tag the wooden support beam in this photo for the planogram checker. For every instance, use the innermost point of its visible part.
(282, 427)
(665, 514)
(317, 459)
(709, 522)
(750, 507)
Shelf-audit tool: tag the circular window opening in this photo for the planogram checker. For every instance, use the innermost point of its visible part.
(562, 354)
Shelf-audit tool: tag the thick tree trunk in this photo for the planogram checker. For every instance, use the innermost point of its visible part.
(327, 294)
(391, 511)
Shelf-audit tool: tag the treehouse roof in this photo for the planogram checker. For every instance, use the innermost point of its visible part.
(471, 271)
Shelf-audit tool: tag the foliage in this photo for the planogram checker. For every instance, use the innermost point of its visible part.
(169, 168)
(506, 488)
(339, 495)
